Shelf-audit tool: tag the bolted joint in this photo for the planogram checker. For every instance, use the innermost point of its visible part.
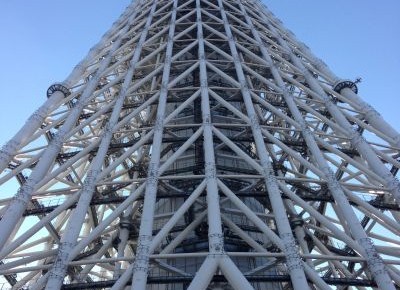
(58, 88)
(152, 176)
(124, 223)
(91, 176)
(296, 222)
(141, 263)
(108, 130)
(23, 194)
(210, 171)
(207, 120)
(293, 260)
(123, 90)
(8, 150)
(216, 243)
(159, 124)
(342, 84)
(375, 261)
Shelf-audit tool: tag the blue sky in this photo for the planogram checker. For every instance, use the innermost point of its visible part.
(42, 40)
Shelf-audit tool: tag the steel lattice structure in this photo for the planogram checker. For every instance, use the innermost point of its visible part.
(200, 145)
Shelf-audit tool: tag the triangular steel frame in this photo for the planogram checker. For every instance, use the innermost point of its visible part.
(200, 145)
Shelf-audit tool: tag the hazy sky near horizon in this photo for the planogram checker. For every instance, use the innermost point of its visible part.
(42, 40)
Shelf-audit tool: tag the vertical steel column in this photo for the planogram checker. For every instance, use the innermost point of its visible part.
(215, 235)
(293, 260)
(374, 261)
(73, 228)
(216, 239)
(8, 151)
(141, 263)
(137, 192)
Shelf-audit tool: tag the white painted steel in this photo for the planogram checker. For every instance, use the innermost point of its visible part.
(20, 201)
(334, 186)
(202, 146)
(356, 139)
(37, 118)
(371, 115)
(141, 264)
(293, 261)
(73, 227)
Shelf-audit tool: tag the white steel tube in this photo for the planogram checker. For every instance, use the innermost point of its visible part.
(136, 193)
(355, 138)
(333, 184)
(141, 264)
(293, 260)
(123, 234)
(74, 225)
(26, 235)
(268, 232)
(177, 215)
(370, 114)
(215, 235)
(8, 151)
(21, 199)
(73, 229)
(204, 276)
(233, 275)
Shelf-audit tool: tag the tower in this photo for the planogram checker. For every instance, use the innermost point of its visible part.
(199, 144)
